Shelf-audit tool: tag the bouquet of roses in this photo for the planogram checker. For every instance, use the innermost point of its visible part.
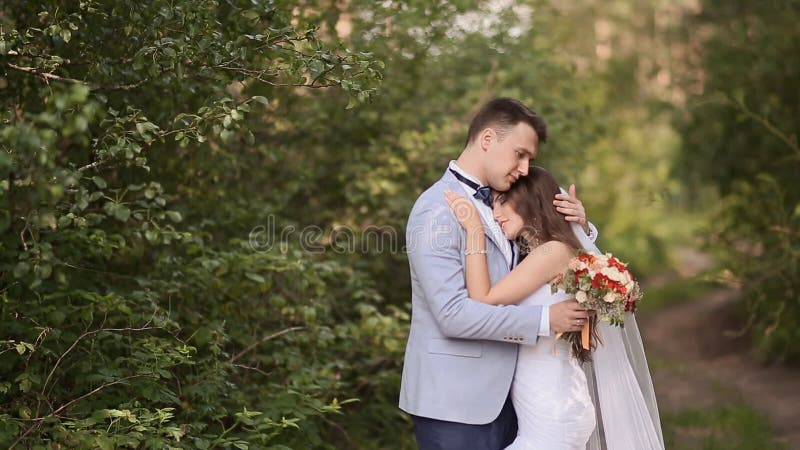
(601, 283)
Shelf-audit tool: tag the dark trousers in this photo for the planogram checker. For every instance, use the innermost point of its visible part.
(435, 434)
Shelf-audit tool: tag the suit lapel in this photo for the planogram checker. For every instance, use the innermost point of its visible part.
(454, 185)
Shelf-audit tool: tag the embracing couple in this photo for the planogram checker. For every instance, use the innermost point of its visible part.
(483, 369)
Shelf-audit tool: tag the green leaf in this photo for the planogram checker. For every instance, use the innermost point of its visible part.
(44, 271)
(21, 269)
(174, 216)
(104, 443)
(251, 14)
(151, 235)
(82, 203)
(122, 213)
(66, 35)
(48, 220)
(99, 182)
(226, 135)
(64, 221)
(255, 277)
(260, 99)
(25, 412)
(145, 127)
(25, 382)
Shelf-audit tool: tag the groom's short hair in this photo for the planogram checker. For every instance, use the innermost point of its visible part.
(501, 114)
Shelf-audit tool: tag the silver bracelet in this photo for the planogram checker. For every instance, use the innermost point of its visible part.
(476, 252)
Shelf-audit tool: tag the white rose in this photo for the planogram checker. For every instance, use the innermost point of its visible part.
(609, 298)
(581, 297)
(612, 274)
(621, 276)
(626, 278)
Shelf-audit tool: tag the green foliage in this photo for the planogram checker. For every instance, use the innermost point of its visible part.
(763, 252)
(202, 203)
(741, 139)
(131, 317)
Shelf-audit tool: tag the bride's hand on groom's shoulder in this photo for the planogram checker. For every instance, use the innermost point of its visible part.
(465, 211)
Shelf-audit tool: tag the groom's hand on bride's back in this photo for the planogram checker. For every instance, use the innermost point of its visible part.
(567, 316)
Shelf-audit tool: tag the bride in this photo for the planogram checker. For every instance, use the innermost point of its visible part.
(598, 400)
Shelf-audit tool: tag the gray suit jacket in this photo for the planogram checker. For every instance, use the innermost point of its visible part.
(461, 354)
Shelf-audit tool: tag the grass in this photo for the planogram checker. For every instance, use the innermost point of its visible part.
(729, 427)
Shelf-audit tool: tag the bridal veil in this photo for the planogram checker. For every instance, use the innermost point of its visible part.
(620, 385)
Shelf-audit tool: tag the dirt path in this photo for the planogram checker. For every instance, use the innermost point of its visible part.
(695, 366)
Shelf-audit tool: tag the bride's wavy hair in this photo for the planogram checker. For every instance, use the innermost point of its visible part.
(532, 198)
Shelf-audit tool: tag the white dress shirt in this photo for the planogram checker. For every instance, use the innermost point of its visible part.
(505, 245)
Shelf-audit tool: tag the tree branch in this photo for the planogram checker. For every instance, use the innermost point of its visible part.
(791, 143)
(81, 337)
(264, 339)
(49, 76)
(92, 392)
(45, 75)
(39, 420)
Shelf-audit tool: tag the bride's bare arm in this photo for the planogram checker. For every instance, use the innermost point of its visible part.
(537, 269)
(540, 266)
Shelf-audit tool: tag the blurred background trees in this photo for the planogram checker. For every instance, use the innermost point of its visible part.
(203, 203)
(740, 142)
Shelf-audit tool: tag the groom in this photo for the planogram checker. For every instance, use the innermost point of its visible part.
(461, 354)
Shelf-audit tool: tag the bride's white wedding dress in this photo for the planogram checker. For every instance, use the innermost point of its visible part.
(550, 393)
(557, 409)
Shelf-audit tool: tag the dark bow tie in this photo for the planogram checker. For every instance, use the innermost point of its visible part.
(482, 193)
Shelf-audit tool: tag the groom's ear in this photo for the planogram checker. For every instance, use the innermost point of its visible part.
(485, 138)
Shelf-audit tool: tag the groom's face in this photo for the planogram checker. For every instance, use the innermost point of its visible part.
(509, 155)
